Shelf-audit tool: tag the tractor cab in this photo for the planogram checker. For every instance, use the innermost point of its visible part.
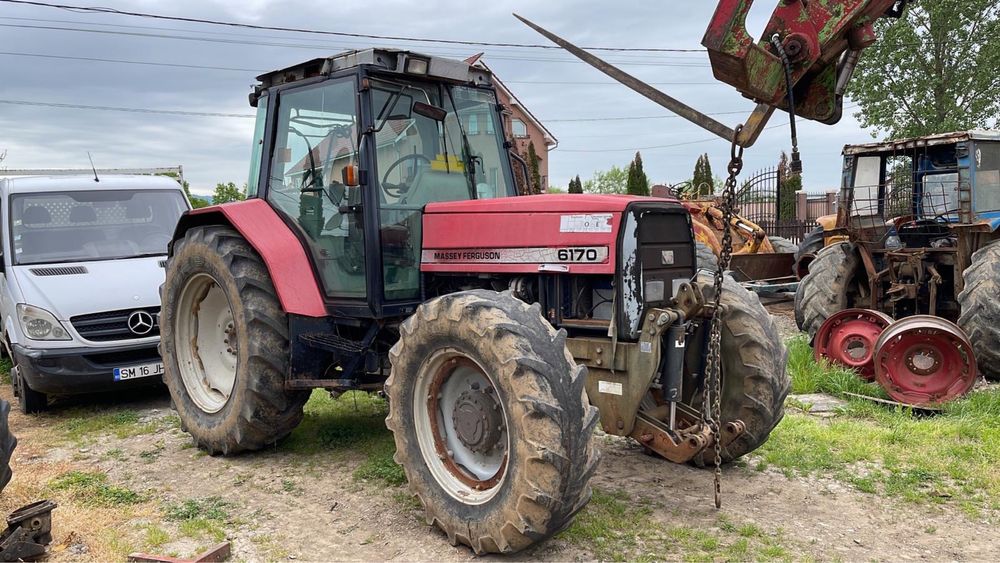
(349, 150)
(913, 193)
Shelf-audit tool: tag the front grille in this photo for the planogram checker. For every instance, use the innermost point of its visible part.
(113, 325)
(112, 359)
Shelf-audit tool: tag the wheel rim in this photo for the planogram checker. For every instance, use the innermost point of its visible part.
(206, 344)
(848, 338)
(924, 360)
(461, 427)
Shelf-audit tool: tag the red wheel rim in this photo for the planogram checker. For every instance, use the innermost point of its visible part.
(848, 339)
(924, 360)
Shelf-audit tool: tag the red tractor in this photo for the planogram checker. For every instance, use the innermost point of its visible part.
(382, 248)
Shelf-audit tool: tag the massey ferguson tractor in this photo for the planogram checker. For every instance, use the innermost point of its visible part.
(381, 248)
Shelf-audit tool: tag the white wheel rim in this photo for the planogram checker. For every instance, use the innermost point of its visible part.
(206, 344)
(468, 475)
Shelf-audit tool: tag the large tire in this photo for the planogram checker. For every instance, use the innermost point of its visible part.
(705, 258)
(781, 245)
(754, 378)
(829, 287)
(543, 480)
(808, 249)
(980, 317)
(229, 399)
(7, 444)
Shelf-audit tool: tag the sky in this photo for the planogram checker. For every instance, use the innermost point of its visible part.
(36, 41)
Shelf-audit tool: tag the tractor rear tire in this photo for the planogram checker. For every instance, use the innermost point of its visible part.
(705, 258)
(7, 444)
(980, 317)
(782, 245)
(827, 289)
(754, 378)
(495, 361)
(224, 343)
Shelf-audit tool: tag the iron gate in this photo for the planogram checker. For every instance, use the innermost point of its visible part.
(765, 200)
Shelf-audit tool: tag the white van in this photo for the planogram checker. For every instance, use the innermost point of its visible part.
(83, 261)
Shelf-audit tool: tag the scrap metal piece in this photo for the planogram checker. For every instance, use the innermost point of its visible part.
(29, 530)
(218, 553)
(924, 360)
(848, 339)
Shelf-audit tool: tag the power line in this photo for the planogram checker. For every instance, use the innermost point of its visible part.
(321, 47)
(102, 10)
(645, 117)
(129, 110)
(636, 149)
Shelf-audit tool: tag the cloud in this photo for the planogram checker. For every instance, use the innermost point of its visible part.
(217, 149)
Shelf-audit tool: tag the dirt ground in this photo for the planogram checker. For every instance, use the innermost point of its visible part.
(311, 509)
(282, 505)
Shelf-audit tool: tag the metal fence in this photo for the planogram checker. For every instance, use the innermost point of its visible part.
(765, 200)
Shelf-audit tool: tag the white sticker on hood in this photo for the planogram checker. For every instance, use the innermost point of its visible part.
(600, 223)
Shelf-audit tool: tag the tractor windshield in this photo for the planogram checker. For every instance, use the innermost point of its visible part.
(434, 143)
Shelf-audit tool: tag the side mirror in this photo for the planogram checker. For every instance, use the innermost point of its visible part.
(429, 111)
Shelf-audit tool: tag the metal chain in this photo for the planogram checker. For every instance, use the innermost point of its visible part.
(713, 414)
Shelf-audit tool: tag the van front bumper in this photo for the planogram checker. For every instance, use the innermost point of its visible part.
(71, 371)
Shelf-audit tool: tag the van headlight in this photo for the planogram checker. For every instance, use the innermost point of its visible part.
(39, 324)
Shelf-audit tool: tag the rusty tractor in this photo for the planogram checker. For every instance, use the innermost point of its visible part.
(381, 248)
(917, 231)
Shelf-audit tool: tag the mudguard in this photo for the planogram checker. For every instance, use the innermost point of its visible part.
(291, 271)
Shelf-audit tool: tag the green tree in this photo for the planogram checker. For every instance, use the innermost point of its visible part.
(638, 183)
(225, 193)
(613, 181)
(788, 184)
(534, 169)
(934, 71)
(702, 182)
(575, 185)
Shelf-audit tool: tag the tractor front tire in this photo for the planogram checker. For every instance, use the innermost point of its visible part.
(980, 317)
(7, 444)
(754, 378)
(491, 421)
(828, 287)
(224, 342)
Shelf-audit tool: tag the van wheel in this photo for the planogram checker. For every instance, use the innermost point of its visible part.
(7, 444)
(29, 400)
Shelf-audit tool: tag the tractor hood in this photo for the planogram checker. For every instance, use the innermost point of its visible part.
(547, 233)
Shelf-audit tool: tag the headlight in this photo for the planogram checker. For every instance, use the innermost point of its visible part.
(39, 324)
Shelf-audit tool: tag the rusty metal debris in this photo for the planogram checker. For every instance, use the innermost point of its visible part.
(29, 530)
(220, 552)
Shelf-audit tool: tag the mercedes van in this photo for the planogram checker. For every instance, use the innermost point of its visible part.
(83, 260)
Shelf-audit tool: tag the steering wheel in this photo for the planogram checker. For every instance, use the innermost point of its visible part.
(397, 190)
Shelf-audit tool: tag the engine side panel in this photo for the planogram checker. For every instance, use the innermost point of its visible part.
(282, 252)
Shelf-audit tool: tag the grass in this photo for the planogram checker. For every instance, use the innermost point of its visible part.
(200, 518)
(616, 527)
(895, 452)
(352, 423)
(92, 488)
(84, 424)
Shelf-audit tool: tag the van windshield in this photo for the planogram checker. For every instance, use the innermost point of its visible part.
(81, 226)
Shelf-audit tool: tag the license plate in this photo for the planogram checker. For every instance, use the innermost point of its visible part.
(135, 372)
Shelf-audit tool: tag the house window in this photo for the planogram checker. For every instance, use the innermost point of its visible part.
(518, 128)
(474, 124)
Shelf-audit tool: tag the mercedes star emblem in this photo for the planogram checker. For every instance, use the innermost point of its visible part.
(140, 323)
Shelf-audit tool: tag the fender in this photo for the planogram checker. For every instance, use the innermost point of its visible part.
(282, 251)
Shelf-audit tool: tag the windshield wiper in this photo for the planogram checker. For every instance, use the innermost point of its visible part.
(467, 157)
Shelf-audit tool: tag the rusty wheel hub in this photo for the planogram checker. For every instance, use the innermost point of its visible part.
(924, 360)
(848, 338)
(477, 419)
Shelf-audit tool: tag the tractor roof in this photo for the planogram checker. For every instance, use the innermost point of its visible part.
(902, 145)
(404, 63)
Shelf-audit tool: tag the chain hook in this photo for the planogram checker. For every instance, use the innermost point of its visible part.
(712, 392)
